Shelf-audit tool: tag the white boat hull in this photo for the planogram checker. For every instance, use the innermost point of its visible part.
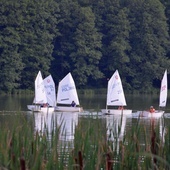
(156, 114)
(38, 108)
(117, 112)
(68, 109)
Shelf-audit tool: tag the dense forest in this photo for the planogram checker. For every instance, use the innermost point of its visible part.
(89, 38)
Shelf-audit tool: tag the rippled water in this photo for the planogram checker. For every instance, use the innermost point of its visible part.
(12, 105)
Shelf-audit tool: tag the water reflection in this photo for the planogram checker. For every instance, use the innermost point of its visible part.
(149, 127)
(118, 127)
(67, 123)
(115, 129)
(44, 122)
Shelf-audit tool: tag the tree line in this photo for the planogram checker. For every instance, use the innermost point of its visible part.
(89, 38)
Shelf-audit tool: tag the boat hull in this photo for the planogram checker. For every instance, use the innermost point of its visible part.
(156, 114)
(68, 109)
(38, 108)
(116, 111)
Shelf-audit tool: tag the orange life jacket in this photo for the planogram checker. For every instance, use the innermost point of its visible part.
(120, 108)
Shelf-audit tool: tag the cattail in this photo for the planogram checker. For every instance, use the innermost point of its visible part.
(80, 160)
(22, 160)
(108, 162)
(13, 158)
(76, 162)
(153, 144)
(22, 163)
(122, 151)
(153, 140)
(32, 147)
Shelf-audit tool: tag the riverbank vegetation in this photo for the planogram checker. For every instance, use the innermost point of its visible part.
(24, 148)
(90, 39)
(86, 92)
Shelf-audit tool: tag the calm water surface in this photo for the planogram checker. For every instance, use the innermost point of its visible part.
(96, 103)
(15, 104)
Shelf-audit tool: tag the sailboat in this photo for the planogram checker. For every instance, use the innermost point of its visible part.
(66, 94)
(162, 100)
(115, 96)
(40, 99)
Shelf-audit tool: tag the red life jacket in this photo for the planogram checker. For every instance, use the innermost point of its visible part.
(152, 110)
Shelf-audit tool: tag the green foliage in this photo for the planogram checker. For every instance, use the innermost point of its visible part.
(40, 29)
(149, 41)
(86, 55)
(91, 39)
(27, 31)
(10, 60)
(116, 39)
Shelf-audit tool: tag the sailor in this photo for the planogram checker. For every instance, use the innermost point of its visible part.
(73, 104)
(152, 110)
(120, 108)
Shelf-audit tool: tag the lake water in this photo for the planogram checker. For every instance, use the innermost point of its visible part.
(14, 104)
(96, 103)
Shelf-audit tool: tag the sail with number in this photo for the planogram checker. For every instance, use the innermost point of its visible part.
(50, 90)
(67, 91)
(163, 91)
(115, 93)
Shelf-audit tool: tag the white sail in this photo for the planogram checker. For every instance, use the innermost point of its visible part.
(50, 90)
(115, 93)
(67, 91)
(40, 94)
(163, 91)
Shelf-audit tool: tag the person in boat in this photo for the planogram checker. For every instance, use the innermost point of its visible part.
(152, 110)
(45, 105)
(120, 108)
(73, 104)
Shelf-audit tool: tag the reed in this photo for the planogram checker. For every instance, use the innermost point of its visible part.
(22, 147)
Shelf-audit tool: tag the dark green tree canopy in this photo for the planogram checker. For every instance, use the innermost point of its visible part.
(149, 41)
(90, 39)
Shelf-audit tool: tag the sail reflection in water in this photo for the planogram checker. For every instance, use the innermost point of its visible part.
(64, 122)
(161, 128)
(115, 129)
(67, 122)
(151, 129)
(44, 122)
